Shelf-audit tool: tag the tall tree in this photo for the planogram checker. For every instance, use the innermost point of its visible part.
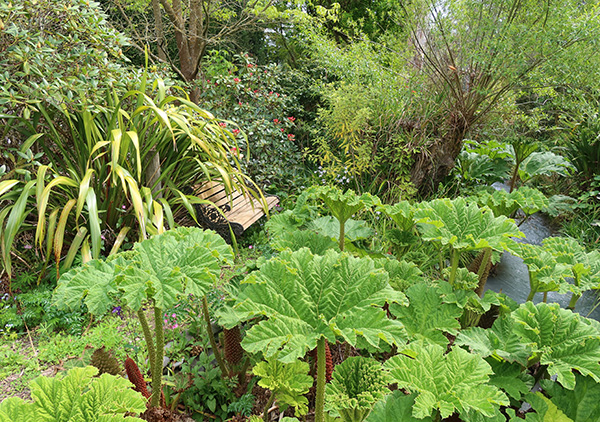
(476, 52)
(182, 31)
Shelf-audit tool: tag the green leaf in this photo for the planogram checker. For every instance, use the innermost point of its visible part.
(499, 341)
(403, 274)
(584, 266)
(582, 404)
(510, 378)
(94, 282)
(546, 410)
(357, 384)
(180, 261)
(307, 297)
(76, 397)
(289, 382)
(463, 225)
(330, 227)
(452, 382)
(544, 164)
(298, 239)
(396, 407)
(401, 213)
(343, 204)
(427, 317)
(560, 339)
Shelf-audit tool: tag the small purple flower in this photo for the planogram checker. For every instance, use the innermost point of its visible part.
(250, 247)
(27, 247)
(117, 310)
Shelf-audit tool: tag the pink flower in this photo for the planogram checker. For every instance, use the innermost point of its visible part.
(290, 137)
(27, 247)
(291, 119)
(250, 65)
(256, 91)
(222, 124)
(276, 121)
(250, 247)
(282, 129)
(174, 316)
(235, 132)
(236, 80)
(239, 102)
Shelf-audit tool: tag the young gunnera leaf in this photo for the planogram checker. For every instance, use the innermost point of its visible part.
(403, 274)
(298, 239)
(427, 317)
(358, 383)
(289, 382)
(463, 225)
(306, 297)
(330, 227)
(582, 404)
(76, 397)
(396, 407)
(500, 341)
(510, 378)
(560, 340)
(454, 382)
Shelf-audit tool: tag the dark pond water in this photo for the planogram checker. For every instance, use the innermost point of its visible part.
(511, 276)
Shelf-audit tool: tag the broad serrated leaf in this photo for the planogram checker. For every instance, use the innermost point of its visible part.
(560, 339)
(330, 227)
(510, 378)
(76, 397)
(181, 261)
(343, 204)
(530, 200)
(500, 340)
(582, 404)
(403, 274)
(396, 407)
(543, 164)
(298, 239)
(94, 282)
(463, 225)
(448, 383)
(584, 265)
(427, 317)
(401, 213)
(289, 382)
(308, 296)
(545, 409)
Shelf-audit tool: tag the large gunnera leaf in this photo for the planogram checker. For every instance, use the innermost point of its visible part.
(396, 407)
(306, 297)
(76, 397)
(582, 404)
(560, 340)
(500, 341)
(463, 225)
(584, 265)
(330, 227)
(298, 239)
(454, 382)
(180, 261)
(427, 318)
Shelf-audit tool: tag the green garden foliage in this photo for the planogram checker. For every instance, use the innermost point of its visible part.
(76, 397)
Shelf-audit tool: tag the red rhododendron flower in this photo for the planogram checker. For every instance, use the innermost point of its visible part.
(222, 124)
(291, 119)
(236, 80)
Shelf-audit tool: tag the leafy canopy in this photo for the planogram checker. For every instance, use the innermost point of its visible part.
(307, 297)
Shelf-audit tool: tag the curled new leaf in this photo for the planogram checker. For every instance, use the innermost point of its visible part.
(358, 383)
(288, 382)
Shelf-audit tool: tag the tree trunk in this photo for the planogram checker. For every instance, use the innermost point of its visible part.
(436, 162)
